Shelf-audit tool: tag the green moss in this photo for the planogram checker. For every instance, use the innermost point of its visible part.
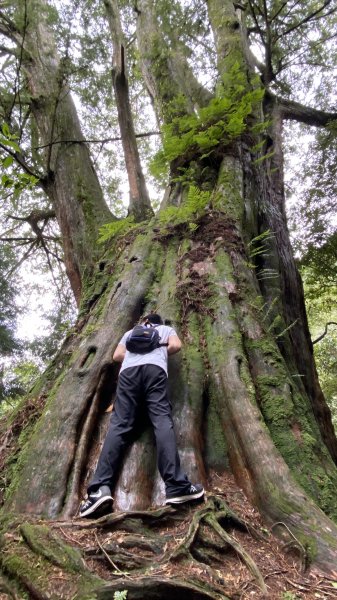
(268, 347)
(16, 457)
(20, 454)
(47, 564)
(275, 406)
(221, 121)
(193, 371)
(229, 194)
(224, 266)
(112, 265)
(43, 541)
(285, 414)
(246, 378)
(10, 589)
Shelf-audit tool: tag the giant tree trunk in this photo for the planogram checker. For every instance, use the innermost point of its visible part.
(232, 392)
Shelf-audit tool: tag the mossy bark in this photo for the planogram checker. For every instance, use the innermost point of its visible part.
(269, 428)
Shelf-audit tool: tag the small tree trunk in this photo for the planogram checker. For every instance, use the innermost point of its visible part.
(170, 81)
(140, 205)
(287, 297)
(71, 182)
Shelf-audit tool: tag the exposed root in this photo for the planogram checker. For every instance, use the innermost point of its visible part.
(183, 549)
(155, 588)
(108, 521)
(294, 543)
(196, 552)
(134, 555)
(6, 590)
(211, 520)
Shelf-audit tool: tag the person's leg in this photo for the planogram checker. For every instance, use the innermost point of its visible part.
(122, 421)
(158, 405)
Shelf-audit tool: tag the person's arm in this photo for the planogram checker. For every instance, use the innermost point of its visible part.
(174, 344)
(119, 354)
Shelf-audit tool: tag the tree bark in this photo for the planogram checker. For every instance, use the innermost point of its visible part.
(296, 345)
(170, 81)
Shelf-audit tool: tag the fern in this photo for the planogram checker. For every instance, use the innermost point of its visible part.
(121, 595)
(110, 230)
(258, 244)
(193, 206)
(222, 120)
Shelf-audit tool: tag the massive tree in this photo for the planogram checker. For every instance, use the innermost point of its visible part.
(216, 260)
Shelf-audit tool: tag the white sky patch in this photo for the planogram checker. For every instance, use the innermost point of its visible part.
(31, 322)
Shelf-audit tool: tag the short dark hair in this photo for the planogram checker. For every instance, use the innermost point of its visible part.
(154, 318)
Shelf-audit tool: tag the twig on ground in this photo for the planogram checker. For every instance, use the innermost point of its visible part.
(109, 559)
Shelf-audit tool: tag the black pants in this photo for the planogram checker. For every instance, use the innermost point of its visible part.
(146, 383)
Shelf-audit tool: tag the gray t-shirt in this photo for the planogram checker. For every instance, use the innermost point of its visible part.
(156, 357)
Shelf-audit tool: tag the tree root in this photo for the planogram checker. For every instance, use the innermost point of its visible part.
(211, 520)
(197, 548)
(140, 552)
(154, 588)
(184, 547)
(109, 521)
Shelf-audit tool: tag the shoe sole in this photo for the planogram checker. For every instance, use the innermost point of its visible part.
(182, 499)
(95, 506)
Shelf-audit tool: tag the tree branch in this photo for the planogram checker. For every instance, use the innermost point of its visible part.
(8, 27)
(24, 240)
(291, 9)
(294, 111)
(278, 11)
(21, 161)
(320, 337)
(103, 141)
(258, 28)
(313, 16)
(36, 215)
(4, 50)
(295, 57)
(22, 259)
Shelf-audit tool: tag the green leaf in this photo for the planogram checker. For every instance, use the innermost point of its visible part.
(5, 130)
(7, 162)
(13, 145)
(6, 181)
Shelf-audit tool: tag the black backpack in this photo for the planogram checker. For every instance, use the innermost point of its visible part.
(143, 339)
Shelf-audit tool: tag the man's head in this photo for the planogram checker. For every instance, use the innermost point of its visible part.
(154, 318)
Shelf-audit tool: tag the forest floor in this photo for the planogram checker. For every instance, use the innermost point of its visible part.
(128, 550)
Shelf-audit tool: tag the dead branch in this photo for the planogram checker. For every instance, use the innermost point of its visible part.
(320, 337)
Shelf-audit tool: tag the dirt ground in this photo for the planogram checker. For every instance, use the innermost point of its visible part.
(281, 565)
